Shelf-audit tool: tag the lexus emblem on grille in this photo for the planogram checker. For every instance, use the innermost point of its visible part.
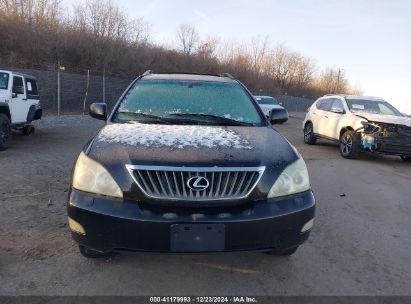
(198, 183)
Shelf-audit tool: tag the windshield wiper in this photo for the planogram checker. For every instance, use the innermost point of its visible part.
(151, 117)
(216, 118)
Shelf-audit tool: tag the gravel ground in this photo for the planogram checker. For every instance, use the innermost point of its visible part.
(361, 243)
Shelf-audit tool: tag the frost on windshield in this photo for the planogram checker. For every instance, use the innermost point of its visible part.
(177, 137)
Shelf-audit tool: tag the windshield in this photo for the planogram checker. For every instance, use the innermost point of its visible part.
(4, 81)
(372, 107)
(169, 101)
(267, 100)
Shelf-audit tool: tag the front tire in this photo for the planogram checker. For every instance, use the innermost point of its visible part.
(406, 158)
(350, 144)
(309, 137)
(5, 132)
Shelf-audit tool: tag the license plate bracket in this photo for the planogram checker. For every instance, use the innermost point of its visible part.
(197, 237)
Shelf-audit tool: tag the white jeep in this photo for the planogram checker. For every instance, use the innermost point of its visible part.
(19, 105)
(358, 124)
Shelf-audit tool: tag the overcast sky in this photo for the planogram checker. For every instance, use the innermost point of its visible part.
(369, 39)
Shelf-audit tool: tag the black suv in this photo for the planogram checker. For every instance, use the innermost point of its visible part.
(188, 163)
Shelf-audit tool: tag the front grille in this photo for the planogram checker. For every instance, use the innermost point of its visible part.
(171, 183)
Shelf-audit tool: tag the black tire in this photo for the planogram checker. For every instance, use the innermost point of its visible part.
(285, 252)
(5, 132)
(350, 144)
(90, 253)
(406, 158)
(309, 137)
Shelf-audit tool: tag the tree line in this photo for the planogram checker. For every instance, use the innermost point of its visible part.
(98, 35)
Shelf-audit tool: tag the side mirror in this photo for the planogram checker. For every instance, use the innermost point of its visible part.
(18, 90)
(278, 116)
(280, 103)
(13, 95)
(98, 110)
(337, 110)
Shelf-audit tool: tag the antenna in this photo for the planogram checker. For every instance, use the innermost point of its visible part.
(148, 72)
(227, 75)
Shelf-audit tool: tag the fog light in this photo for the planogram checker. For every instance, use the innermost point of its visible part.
(308, 225)
(76, 227)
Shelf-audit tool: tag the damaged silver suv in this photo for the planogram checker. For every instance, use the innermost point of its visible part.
(359, 124)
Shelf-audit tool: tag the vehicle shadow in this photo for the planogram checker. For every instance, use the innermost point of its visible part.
(227, 262)
(363, 156)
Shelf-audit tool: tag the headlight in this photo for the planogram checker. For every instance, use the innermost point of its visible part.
(294, 179)
(90, 176)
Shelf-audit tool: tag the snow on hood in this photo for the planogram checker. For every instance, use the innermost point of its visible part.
(173, 136)
(406, 121)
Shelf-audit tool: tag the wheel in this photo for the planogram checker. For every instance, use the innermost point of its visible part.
(285, 252)
(349, 144)
(309, 137)
(28, 130)
(5, 132)
(90, 253)
(406, 158)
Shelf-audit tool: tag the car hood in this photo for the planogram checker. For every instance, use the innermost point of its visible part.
(397, 120)
(4, 93)
(117, 145)
(189, 145)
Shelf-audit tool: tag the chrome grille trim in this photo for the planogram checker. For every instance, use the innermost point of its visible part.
(170, 183)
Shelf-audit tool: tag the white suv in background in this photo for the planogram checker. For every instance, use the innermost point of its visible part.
(19, 105)
(359, 123)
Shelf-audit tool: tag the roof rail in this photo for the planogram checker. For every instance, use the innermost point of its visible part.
(148, 72)
(190, 73)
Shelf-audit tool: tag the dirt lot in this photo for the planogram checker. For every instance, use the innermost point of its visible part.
(361, 243)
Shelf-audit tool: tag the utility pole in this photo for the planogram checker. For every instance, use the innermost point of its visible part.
(104, 84)
(338, 80)
(59, 69)
(85, 97)
(58, 88)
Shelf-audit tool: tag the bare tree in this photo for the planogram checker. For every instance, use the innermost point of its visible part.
(99, 35)
(207, 48)
(187, 38)
(259, 51)
(32, 11)
(289, 70)
(105, 20)
(332, 81)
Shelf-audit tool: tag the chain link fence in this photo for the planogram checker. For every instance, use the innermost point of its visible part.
(74, 86)
(73, 89)
(295, 104)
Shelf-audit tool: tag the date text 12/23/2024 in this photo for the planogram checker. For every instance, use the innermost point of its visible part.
(204, 299)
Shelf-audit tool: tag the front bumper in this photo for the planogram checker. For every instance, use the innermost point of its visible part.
(111, 224)
(387, 139)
